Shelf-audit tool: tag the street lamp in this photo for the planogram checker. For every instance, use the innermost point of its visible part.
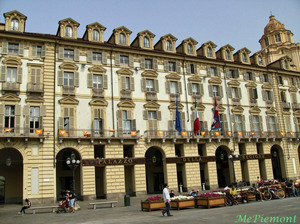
(232, 158)
(73, 164)
(8, 161)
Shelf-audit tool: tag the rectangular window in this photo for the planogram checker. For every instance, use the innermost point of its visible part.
(148, 64)
(11, 75)
(213, 71)
(272, 124)
(124, 60)
(173, 87)
(39, 51)
(231, 74)
(68, 79)
(280, 80)
(13, 48)
(34, 119)
(69, 54)
(249, 76)
(125, 121)
(277, 37)
(9, 120)
(98, 125)
(97, 57)
(192, 67)
(268, 95)
(256, 125)
(171, 66)
(293, 81)
(127, 83)
(150, 85)
(265, 77)
(267, 41)
(235, 92)
(97, 81)
(66, 124)
(152, 115)
(195, 89)
(238, 123)
(215, 90)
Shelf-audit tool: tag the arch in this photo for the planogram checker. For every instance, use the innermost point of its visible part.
(65, 174)
(146, 42)
(224, 167)
(155, 169)
(122, 38)
(69, 31)
(11, 171)
(190, 49)
(278, 162)
(14, 24)
(169, 45)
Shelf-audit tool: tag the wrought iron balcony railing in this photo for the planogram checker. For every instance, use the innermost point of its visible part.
(21, 132)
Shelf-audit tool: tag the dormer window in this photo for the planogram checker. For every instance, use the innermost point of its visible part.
(209, 52)
(122, 38)
(245, 59)
(289, 37)
(146, 42)
(169, 45)
(69, 31)
(190, 49)
(227, 55)
(260, 60)
(14, 25)
(96, 35)
(267, 41)
(277, 37)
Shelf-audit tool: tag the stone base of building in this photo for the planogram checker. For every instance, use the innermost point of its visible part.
(89, 197)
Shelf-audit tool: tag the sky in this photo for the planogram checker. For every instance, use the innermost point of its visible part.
(239, 23)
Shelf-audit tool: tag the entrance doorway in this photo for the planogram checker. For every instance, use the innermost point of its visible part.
(154, 170)
(100, 177)
(223, 171)
(64, 174)
(277, 162)
(11, 174)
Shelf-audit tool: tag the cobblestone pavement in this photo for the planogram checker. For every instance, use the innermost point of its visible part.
(288, 207)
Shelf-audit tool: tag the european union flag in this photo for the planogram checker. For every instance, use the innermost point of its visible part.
(178, 122)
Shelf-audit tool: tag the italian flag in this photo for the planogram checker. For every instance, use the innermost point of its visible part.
(197, 125)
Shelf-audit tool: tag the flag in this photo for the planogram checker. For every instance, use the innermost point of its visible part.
(85, 133)
(8, 130)
(62, 132)
(178, 122)
(216, 122)
(197, 125)
(38, 131)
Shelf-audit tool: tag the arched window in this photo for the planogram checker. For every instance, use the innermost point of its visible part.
(209, 52)
(227, 55)
(190, 49)
(14, 24)
(69, 31)
(245, 59)
(146, 42)
(260, 60)
(122, 38)
(96, 35)
(169, 45)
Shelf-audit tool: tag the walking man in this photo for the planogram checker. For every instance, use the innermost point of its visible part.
(166, 196)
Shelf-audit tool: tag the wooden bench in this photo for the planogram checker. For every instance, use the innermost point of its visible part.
(33, 209)
(94, 204)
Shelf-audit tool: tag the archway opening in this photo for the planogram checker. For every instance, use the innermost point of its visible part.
(66, 173)
(223, 167)
(277, 162)
(154, 170)
(11, 173)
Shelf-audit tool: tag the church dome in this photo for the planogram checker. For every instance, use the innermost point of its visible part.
(273, 25)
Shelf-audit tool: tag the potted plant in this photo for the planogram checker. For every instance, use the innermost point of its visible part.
(153, 203)
(182, 202)
(210, 199)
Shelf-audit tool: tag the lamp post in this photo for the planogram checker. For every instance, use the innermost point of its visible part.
(73, 164)
(232, 158)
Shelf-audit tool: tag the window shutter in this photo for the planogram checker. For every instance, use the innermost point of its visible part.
(60, 79)
(90, 80)
(294, 97)
(277, 125)
(76, 79)
(182, 117)
(145, 115)
(71, 112)
(123, 82)
(236, 73)
(117, 59)
(104, 81)
(3, 74)
(129, 115)
(239, 92)
(218, 72)
(19, 77)
(201, 90)
(268, 123)
(251, 123)
(166, 66)
(296, 124)
(179, 87)
(26, 110)
(4, 47)
(190, 88)
(27, 123)
(155, 66)
(156, 86)
(261, 77)
(142, 62)
(167, 87)
(66, 112)
(60, 53)
(270, 78)
(33, 51)
(208, 70)
(104, 58)
(17, 124)
(229, 91)
(61, 123)
(130, 63)
(133, 125)
(96, 114)
(227, 73)
(272, 96)
(89, 56)
(260, 123)
(71, 126)
(131, 83)
(245, 76)
(221, 91)
(251, 95)
(233, 122)
(101, 113)
(43, 111)
(171, 125)
(178, 66)
(143, 84)
(38, 76)
(264, 95)
(193, 119)
(225, 122)
(158, 115)
(210, 91)
(188, 68)
(43, 55)
(76, 54)
(21, 49)
(243, 123)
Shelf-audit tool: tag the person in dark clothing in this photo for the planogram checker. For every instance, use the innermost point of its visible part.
(172, 194)
(26, 206)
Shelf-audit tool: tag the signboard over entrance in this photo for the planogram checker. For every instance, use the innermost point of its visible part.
(114, 161)
(255, 156)
(191, 159)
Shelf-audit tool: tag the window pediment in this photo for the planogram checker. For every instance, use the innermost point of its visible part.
(150, 74)
(124, 71)
(172, 106)
(146, 33)
(200, 107)
(234, 83)
(97, 69)
(271, 111)
(126, 104)
(297, 113)
(195, 78)
(169, 37)
(151, 105)
(10, 98)
(68, 100)
(251, 85)
(266, 86)
(69, 21)
(287, 113)
(122, 29)
(293, 89)
(12, 61)
(221, 109)
(254, 110)
(215, 80)
(98, 102)
(237, 110)
(68, 66)
(34, 99)
(173, 76)
(96, 25)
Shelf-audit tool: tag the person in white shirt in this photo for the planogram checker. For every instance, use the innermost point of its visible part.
(166, 196)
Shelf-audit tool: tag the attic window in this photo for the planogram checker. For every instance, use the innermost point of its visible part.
(14, 25)
(227, 55)
(122, 39)
(169, 45)
(190, 49)
(260, 60)
(245, 59)
(277, 37)
(209, 52)
(96, 35)
(267, 41)
(69, 31)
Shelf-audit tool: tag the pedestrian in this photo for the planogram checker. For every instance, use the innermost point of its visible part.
(167, 201)
(26, 206)
(172, 195)
(72, 201)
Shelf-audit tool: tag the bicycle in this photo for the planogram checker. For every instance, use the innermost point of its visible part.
(276, 193)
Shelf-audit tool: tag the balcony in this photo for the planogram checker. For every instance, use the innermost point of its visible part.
(173, 97)
(10, 87)
(21, 133)
(98, 92)
(286, 105)
(236, 102)
(69, 90)
(296, 106)
(151, 96)
(35, 88)
(126, 94)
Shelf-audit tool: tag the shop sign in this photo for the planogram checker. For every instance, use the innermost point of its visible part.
(106, 162)
(255, 156)
(192, 159)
